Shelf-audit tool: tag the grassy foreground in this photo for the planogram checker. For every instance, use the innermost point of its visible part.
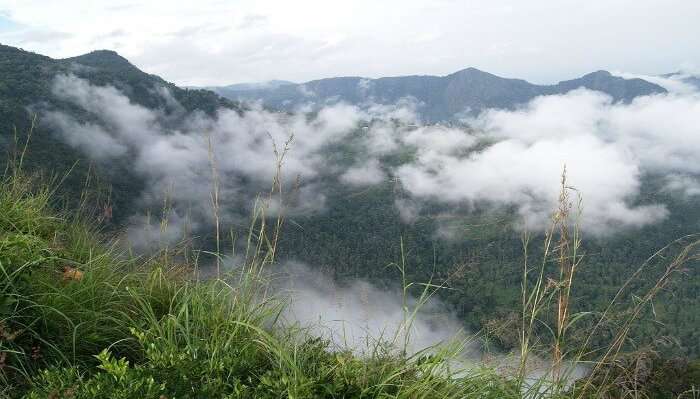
(81, 318)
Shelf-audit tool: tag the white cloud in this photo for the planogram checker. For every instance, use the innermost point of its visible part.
(606, 148)
(687, 185)
(358, 314)
(409, 210)
(135, 124)
(88, 137)
(177, 162)
(436, 139)
(514, 160)
(674, 84)
(368, 173)
(525, 176)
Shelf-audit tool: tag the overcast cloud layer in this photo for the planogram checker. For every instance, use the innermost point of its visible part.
(212, 42)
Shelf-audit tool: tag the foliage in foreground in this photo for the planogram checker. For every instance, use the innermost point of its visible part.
(81, 320)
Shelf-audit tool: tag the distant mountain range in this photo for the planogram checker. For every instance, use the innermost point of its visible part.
(439, 98)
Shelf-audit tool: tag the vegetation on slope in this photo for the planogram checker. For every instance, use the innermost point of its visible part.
(80, 319)
(26, 83)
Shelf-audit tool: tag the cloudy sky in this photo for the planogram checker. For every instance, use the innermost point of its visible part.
(209, 42)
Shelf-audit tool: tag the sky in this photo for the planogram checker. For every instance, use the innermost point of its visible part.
(218, 42)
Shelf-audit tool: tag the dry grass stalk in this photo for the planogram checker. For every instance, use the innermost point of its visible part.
(215, 202)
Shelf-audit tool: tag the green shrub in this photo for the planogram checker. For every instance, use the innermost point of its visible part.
(145, 328)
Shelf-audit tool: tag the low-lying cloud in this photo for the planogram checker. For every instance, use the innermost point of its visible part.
(607, 148)
(500, 158)
(179, 153)
(357, 315)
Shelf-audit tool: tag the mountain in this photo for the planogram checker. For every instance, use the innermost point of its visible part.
(439, 98)
(26, 81)
(26, 77)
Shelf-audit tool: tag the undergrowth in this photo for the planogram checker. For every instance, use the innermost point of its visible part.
(81, 317)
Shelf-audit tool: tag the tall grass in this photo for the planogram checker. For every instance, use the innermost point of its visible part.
(83, 317)
(551, 291)
(562, 243)
(144, 327)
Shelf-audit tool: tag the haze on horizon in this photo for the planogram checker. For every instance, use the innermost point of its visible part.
(214, 42)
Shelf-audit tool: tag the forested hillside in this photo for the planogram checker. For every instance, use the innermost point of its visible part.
(26, 93)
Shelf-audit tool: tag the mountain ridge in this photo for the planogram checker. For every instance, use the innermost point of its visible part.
(439, 98)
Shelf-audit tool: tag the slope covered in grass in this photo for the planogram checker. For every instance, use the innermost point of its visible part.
(82, 319)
